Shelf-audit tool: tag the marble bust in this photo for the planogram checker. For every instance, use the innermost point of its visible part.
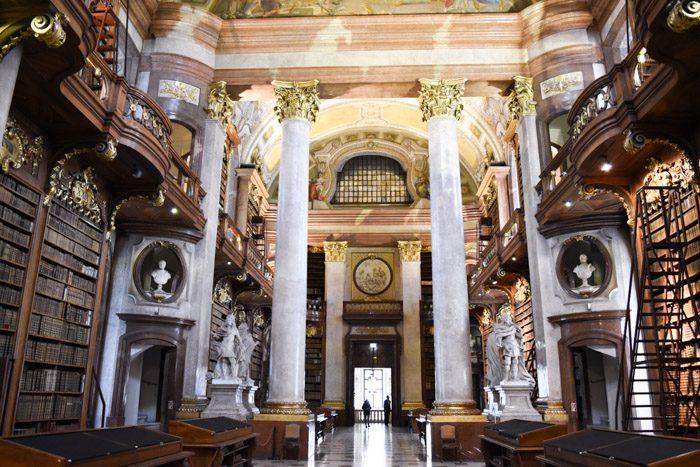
(584, 271)
(160, 277)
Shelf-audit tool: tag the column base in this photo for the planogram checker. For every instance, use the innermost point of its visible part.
(555, 413)
(468, 428)
(285, 408)
(334, 404)
(191, 408)
(271, 443)
(455, 408)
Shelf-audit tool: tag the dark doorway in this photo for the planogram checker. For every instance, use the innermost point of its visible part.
(595, 377)
(379, 352)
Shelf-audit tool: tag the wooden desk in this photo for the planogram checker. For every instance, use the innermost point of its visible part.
(216, 441)
(321, 421)
(598, 448)
(110, 447)
(517, 443)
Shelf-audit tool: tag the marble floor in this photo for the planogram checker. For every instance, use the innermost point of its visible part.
(376, 446)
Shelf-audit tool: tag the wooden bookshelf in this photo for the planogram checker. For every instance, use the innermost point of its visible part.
(428, 364)
(522, 316)
(53, 385)
(314, 371)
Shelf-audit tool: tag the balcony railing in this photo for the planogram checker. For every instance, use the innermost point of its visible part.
(499, 247)
(182, 176)
(254, 256)
(141, 108)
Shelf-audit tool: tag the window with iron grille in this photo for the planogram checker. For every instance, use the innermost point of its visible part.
(371, 179)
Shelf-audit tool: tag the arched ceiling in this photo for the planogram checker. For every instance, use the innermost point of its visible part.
(393, 120)
(229, 9)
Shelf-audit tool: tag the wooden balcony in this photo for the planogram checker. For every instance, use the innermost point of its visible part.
(256, 267)
(230, 245)
(384, 312)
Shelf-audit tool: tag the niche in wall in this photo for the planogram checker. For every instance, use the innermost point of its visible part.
(159, 272)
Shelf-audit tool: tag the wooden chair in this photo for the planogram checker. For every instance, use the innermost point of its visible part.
(291, 442)
(448, 441)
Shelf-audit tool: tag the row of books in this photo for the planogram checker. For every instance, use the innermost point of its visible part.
(56, 224)
(11, 199)
(68, 260)
(47, 306)
(81, 282)
(54, 271)
(13, 254)
(52, 380)
(61, 354)
(7, 344)
(32, 407)
(71, 246)
(18, 187)
(47, 326)
(76, 220)
(10, 296)
(78, 315)
(11, 274)
(60, 291)
(8, 318)
(14, 235)
(79, 297)
(10, 216)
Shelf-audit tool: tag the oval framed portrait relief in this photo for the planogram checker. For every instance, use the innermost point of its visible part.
(372, 275)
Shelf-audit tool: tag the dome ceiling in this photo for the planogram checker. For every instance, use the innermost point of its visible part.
(229, 9)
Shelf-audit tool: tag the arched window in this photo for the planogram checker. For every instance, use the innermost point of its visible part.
(371, 179)
(182, 141)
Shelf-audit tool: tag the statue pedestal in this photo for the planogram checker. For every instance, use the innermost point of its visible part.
(489, 400)
(517, 401)
(226, 400)
(249, 400)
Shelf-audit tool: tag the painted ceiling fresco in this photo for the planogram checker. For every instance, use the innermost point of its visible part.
(229, 9)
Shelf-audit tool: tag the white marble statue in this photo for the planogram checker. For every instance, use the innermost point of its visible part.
(246, 352)
(228, 345)
(504, 350)
(160, 277)
(584, 271)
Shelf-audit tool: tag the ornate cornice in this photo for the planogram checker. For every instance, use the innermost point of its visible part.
(78, 190)
(45, 28)
(409, 251)
(683, 15)
(521, 100)
(591, 191)
(335, 251)
(296, 99)
(220, 104)
(19, 151)
(441, 97)
(156, 199)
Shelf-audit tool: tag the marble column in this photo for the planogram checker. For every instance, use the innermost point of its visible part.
(409, 252)
(334, 370)
(522, 107)
(500, 173)
(9, 67)
(441, 104)
(297, 105)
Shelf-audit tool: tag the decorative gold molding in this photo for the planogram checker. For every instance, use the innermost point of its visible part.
(157, 199)
(179, 90)
(16, 150)
(678, 173)
(285, 408)
(334, 404)
(78, 190)
(412, 405)
(409, 251)
(555, 412)
(521, 100)
(219, 103)
(441, 98)
(223, 294)
(191, 408)
(454, 408)
(296, 99)
(335, 251)
(105, 150)
(522, 291)
(591, 191)
(44, 28)
(683, 15)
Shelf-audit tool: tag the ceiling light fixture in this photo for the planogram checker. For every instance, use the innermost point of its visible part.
(605, 165)
(568, 203)
(174, 211)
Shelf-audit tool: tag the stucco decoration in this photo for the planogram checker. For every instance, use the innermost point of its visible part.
(372, 275)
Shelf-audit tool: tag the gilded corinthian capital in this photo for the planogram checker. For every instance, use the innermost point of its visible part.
(683, 15)
(296, 99)
(220, 104)
(521, 100)
(335, 251)
(441, 97)
(409, 251)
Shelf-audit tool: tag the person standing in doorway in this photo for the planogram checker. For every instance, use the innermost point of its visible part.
(387, 410)
(366, 408)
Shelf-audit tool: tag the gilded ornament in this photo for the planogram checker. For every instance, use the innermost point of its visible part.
(490, 195)
(521, 100)
(679, 173)
(44, 28)
(683, 15)
(285, 408)
(335, 251)
(561, 84)
(16, 150)
(409, 251)
(258, 317)
(454, 408)
(522, 291)
(220, 104)
(505, 309)
(634, 140)
(223, 294)
(77, 190)
(441, 98)
(178, 90)
(296, 99)
(156, 199)
(591, 191)
(105, 150)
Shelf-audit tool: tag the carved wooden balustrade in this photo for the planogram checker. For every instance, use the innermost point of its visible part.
(181, 176)
(506, 242)
(230, 241)
(366, 312)
(255, 266)
(602, 112)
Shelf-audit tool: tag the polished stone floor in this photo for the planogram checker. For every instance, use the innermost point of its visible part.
(376, 446)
